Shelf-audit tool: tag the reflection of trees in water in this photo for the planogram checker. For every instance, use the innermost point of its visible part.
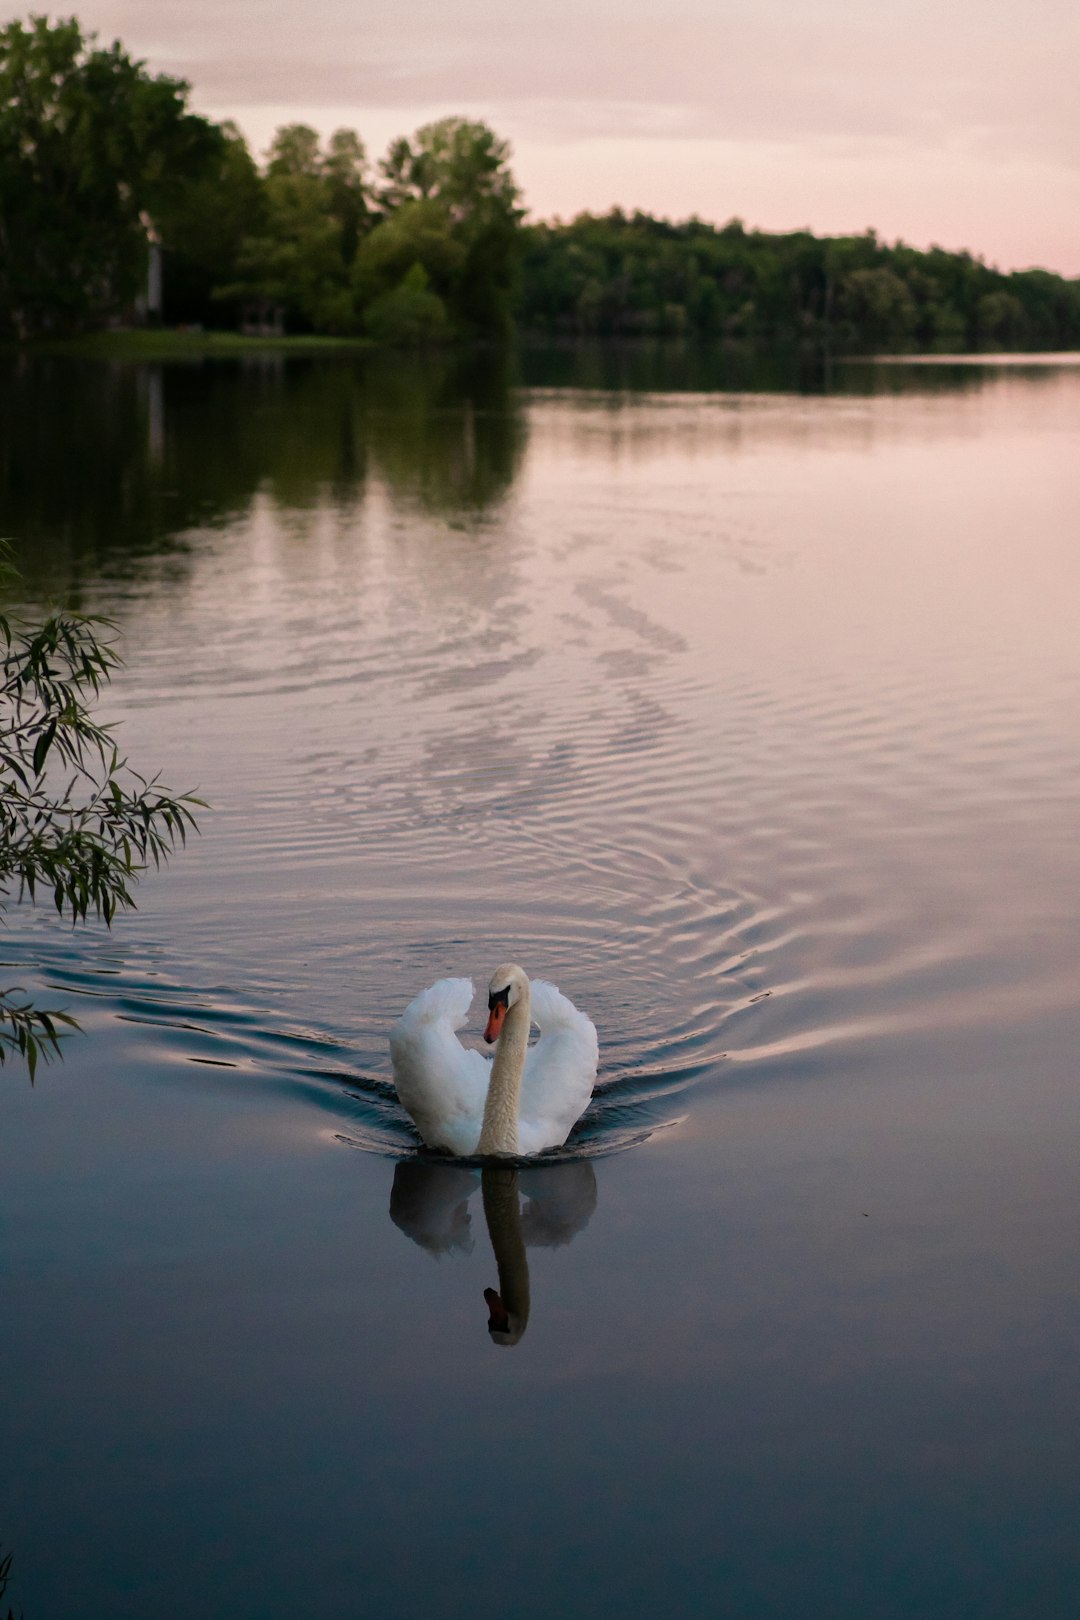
(106, 465)
(76, 473)
(668, 365)
(430, 1204)
(447, 432)
(103, 466)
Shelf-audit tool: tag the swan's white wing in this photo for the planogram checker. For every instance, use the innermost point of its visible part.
(440, 1082)
(560, 1070)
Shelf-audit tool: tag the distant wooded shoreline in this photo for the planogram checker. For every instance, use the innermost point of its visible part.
(119, 206)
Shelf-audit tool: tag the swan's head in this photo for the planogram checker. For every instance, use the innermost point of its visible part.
(504, 1325)
(509, 984)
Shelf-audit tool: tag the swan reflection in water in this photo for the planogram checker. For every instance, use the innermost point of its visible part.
(430, 1204)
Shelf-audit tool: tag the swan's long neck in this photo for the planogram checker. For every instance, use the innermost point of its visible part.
(509, 1306)
(499, 1132)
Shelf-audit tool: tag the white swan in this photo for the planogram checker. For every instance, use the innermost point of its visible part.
(524, 1100)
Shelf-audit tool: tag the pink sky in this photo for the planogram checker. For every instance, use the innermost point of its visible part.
(955, 124)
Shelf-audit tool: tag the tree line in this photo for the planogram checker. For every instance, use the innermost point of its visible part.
(103, 165)
(628, 274)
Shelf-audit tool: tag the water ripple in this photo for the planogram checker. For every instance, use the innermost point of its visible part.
(731, 718)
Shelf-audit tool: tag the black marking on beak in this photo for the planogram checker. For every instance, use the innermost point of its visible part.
(499, 998)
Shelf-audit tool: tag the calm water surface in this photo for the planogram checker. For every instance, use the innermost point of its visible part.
(752, 719)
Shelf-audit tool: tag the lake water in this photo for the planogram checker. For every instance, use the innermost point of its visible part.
(748, 715)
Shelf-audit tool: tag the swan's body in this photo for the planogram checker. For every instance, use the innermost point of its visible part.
(524, 1100)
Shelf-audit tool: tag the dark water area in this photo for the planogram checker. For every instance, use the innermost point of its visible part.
(744, 704)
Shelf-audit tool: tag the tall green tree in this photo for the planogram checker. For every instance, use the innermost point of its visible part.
(203, 225)
(348, 192)
(316, 209)
(460, 161)
(449, 189)
(90, 146)
(294, 153)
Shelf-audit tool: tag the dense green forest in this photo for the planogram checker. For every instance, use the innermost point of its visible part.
(119, 203)
(630, 274)
(104, 172)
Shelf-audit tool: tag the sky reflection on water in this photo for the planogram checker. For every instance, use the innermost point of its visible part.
(751, 719)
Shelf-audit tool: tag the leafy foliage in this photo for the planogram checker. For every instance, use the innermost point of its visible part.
(415, 236)
(427, 245)
(409, 313)
(315, 207)
(619, 273)
(75, 820)
(458, 161)
(425, 252)
(5, 1573)
(204, 224)
(455, 174)
(89, 145)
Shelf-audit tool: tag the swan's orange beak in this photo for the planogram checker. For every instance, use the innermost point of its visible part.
(495, 1022)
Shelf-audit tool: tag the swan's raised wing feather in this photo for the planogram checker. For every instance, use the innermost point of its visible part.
(439, 1081)
(560, 1070)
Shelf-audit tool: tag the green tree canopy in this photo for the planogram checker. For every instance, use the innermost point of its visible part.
(93, 150)
(620, 273)
(459, 161)
(203, 225)
(409, 313)
(90, 145)
(428, 252)
(451, 184)
(417, 232)
(345, 176)
(294, 152)
(315, 211)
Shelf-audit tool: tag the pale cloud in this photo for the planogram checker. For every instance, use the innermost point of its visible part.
(958, 122)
